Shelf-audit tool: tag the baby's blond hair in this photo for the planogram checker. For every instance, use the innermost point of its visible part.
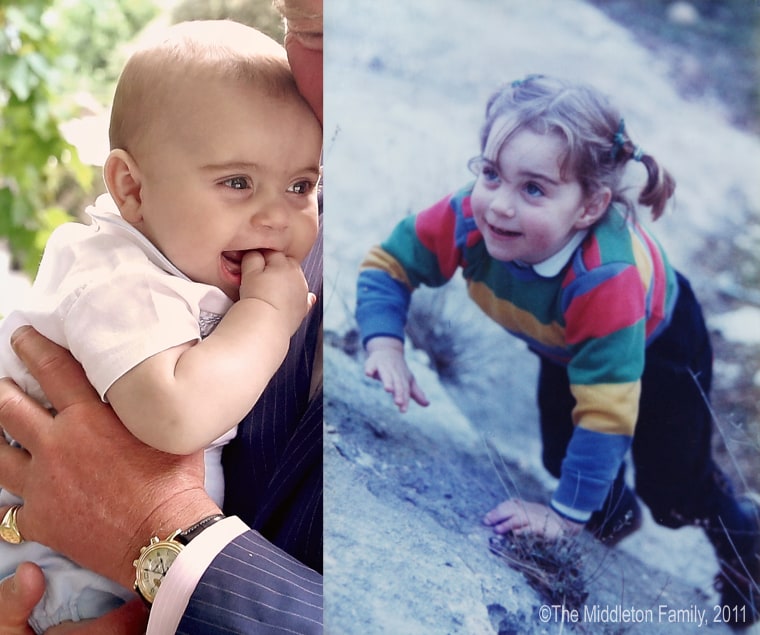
(193, 52)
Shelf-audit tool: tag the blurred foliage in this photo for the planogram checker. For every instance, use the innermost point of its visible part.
(259, 14)
(49, 50)
(713, 48)
(92, 32)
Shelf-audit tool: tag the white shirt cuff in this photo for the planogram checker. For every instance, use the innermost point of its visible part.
(186, 571)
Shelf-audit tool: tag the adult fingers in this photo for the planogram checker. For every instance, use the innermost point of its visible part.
(61, 377)
(18, 595)
(24, 419)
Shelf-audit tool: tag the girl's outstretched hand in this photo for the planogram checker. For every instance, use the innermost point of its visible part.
(520, 517)
(386, 363)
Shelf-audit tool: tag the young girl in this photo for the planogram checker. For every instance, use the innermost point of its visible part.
(551, 250)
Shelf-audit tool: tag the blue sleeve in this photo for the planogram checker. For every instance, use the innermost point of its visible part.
(382, 304)
(588, 470)
(253, 587)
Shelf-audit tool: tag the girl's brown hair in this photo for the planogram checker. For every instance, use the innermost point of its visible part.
(598, 147)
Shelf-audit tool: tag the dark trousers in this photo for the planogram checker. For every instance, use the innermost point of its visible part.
(674, 471)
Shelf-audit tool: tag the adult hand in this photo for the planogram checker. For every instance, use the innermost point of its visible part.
(20, 592)
(386, 363)
(91, 490)
(520, 517)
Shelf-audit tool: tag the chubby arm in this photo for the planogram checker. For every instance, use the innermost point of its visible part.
(182, 399)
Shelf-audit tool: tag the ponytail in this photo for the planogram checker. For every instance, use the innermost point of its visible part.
(659, 188)
(660, 184)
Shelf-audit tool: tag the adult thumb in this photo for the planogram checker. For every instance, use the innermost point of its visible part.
(18, 596)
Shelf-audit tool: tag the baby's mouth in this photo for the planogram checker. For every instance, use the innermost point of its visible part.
(232, 261)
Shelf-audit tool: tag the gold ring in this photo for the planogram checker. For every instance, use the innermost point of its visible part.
(8, 528)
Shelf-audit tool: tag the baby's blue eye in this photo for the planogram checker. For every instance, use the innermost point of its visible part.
(301, 187)
(237, 183)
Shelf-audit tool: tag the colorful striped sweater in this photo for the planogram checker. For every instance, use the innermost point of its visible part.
(612, 297)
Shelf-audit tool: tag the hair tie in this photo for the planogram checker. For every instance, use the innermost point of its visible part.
(519, 82)
(638, 153)
(618, 140)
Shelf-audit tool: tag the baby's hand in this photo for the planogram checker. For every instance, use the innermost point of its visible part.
(521, 517)
(278, 280)
(385, 362)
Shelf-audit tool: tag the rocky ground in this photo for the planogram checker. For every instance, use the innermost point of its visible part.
(404, 548)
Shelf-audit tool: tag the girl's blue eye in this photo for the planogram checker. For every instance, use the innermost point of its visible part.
(489, 173)
(301, 187)
(533, 190)
(237, 183)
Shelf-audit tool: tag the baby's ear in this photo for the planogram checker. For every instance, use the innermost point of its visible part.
(124, 181)
(595, 207)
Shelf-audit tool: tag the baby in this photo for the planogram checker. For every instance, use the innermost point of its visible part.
(180, 298)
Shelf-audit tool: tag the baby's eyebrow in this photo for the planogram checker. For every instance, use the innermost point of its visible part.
(247, 166)
(230, 165)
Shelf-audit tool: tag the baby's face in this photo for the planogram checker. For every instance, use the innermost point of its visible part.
(234, 170)
(521, 204)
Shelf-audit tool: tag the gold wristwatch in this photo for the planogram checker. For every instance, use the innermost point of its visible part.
(155, 558)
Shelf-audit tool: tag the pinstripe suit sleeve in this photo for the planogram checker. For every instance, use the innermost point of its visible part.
(254, 587)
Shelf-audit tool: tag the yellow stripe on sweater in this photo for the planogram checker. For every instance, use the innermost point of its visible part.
(378, 258)
(609, 408)
(515, 319)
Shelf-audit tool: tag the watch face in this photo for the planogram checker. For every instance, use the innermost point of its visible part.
(153, 565)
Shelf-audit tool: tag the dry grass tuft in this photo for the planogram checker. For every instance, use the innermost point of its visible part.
(553, 568)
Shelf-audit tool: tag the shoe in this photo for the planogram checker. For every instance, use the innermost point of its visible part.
(617, 520)
(738, 581)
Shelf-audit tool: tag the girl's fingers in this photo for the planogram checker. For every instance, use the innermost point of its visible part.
(418, 394)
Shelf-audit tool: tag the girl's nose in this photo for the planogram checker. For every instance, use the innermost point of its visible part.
(503, 202)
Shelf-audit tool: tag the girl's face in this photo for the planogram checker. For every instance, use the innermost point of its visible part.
(521, 205)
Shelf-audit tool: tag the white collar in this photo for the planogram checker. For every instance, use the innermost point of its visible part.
(106, 214)
(555, 263)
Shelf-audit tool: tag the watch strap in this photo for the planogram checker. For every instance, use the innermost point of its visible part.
(184, 537)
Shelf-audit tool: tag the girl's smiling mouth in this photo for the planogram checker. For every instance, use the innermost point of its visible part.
(503, 233)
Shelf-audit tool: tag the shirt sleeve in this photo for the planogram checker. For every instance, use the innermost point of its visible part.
(184, 575)
(605, 329)
(230, 579)
(422, 249)
(111, 327)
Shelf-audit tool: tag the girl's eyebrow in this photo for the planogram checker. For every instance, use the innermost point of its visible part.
(537, 176)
